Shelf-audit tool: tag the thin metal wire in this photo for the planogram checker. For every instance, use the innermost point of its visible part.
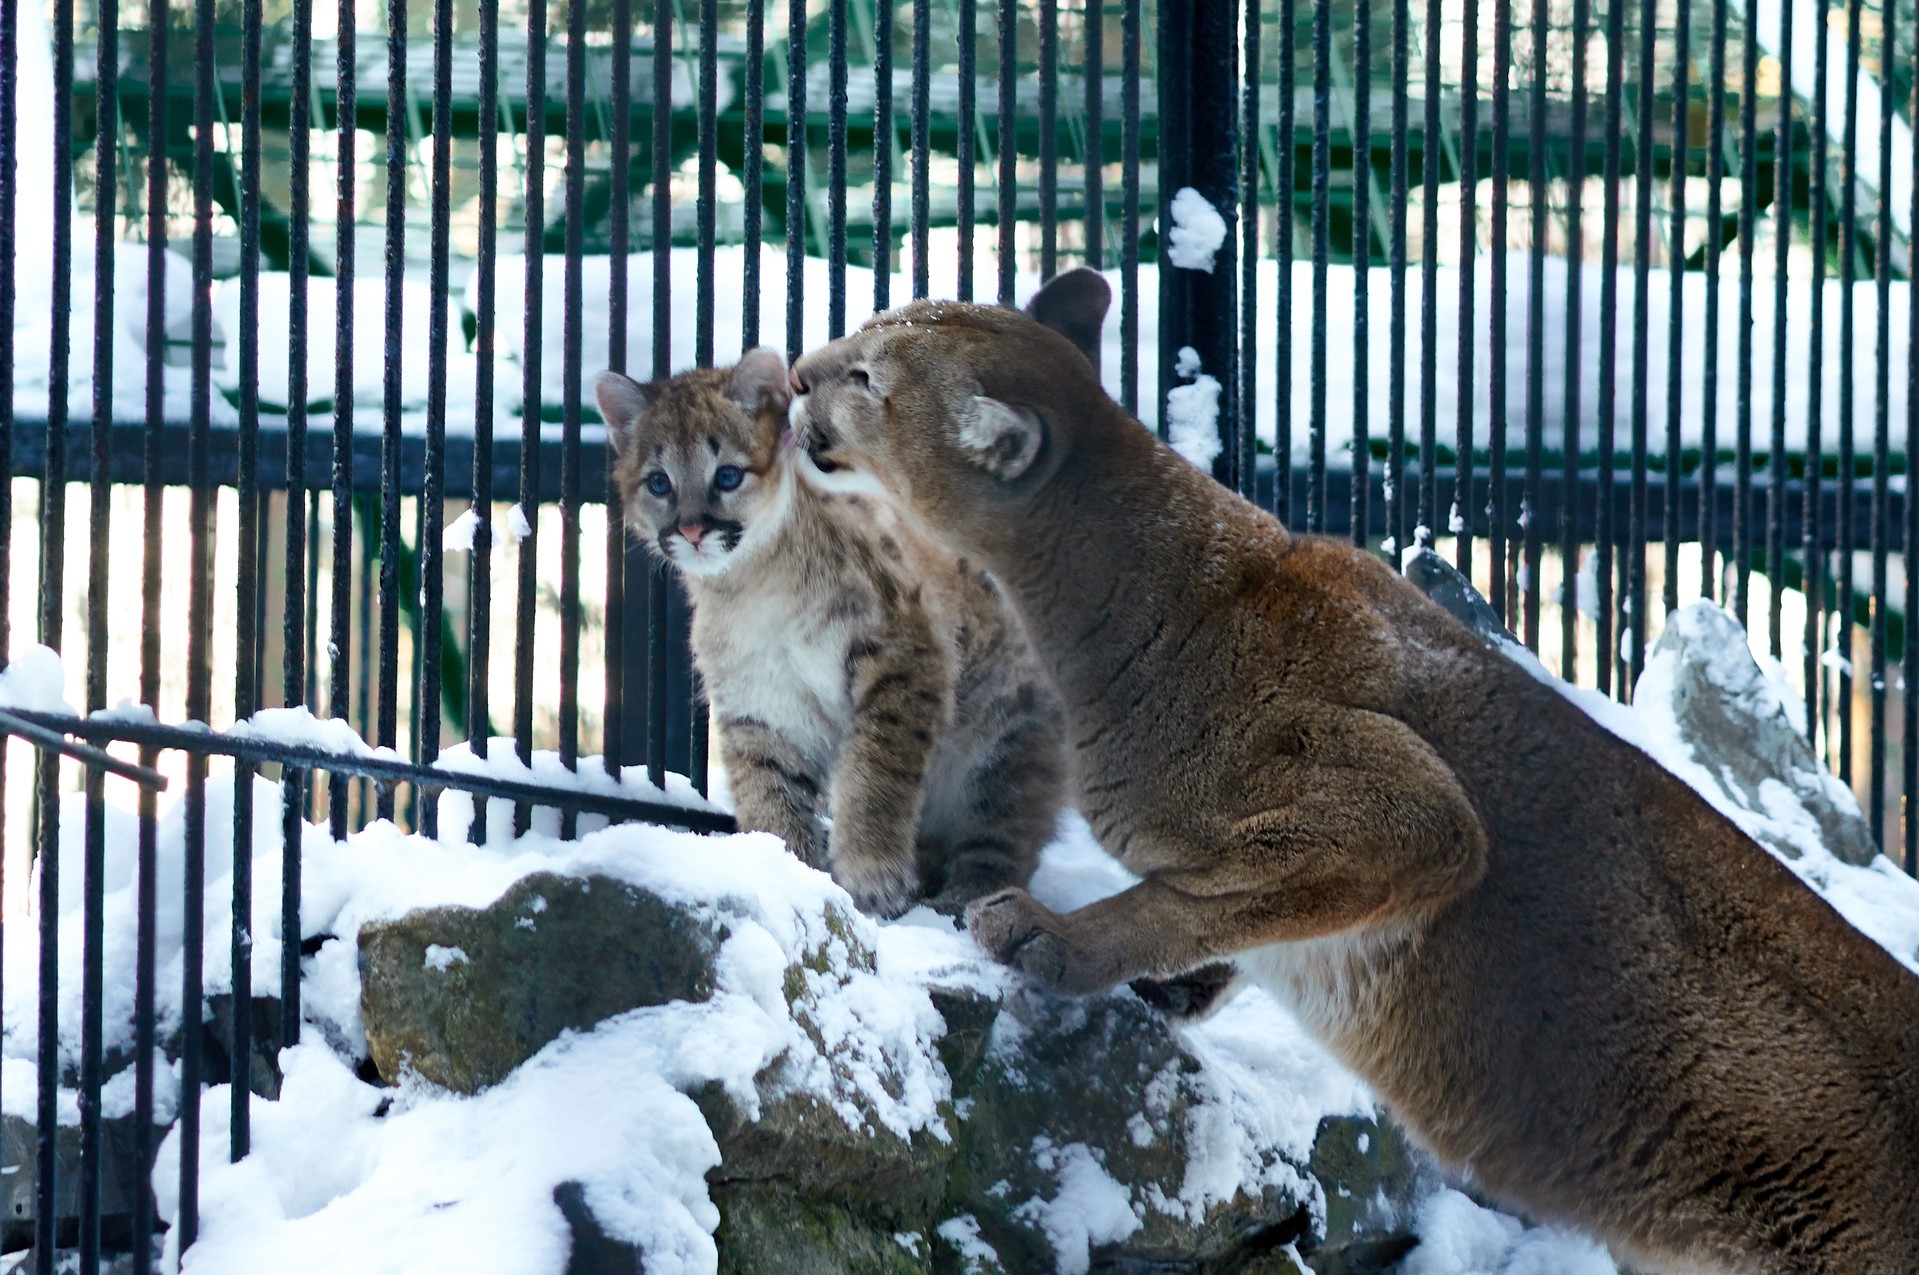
(659, 585)
(615, 749)
(1362, 251)
(795, 272)
(1812, 552)
(573, 331)
(530, 396)
(1748, 232)
(301, 552)
(1129, 213)
(755, 165)
(703, 303)
(479, 649)
(432, 552)
(1782, 244)
(398, 116)
(340, 640)
(1709, 576)
(1540, 196)
(1461, 519)
(1569, 576)
(1245, 466)
(922, 148)
(1496, 488)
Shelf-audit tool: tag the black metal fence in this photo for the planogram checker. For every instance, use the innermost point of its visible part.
(1418, 294)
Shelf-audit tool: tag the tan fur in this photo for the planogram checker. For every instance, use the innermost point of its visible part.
(854, 668)
(1577, 983)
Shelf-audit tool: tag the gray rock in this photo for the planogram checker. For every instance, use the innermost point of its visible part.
(462, 996)
(1740, 731)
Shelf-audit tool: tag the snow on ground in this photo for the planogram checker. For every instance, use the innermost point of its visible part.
(346, 1175)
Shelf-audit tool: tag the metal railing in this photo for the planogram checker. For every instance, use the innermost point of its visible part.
(1359, 161)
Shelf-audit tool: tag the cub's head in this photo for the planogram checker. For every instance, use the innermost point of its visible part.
(697, 459)
(945, 408)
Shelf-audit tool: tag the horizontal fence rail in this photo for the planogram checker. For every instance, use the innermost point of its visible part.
(1608, 301)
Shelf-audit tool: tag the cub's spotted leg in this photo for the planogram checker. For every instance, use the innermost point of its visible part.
(1008, 806)
(774, 788)
(902, 698)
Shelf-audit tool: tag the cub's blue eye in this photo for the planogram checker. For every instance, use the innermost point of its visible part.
(727, 477)
(659, 484)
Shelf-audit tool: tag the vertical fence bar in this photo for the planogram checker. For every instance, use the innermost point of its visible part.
(1395, 488)
(922, 147)
(796, 213)
(9, 198)
(100, 527)
(1715, 236)
(340, 640)
(199, 622)
(1635, 609)
(703, 303)
(615, 750)
(659, 584)
(479, 640)
(1540, 196)
(1197, 66)
(1048, 138)
(1129, 213)
(1848, 477)
(1778, 470)
(1812, 548)
(883, 147)
(1460, 519)
(1008, 142)
(1429, 148)
(145, 989)
(1606, 654)
(1496, 494)
(1570, 574)
(754, 149)
(246, 697)
(965, 138)
(432, 551)
(1882, 423)
(300, 551)
(572, 332)
(1283, 252)
(397, 117)
(1676, 299)
(1748, 232)
(836, 168)
(1094, 70)
(1245, 464)
(1909, 701)
(1362, 253)
(1322, 216)
(535, 239)
(53, 510)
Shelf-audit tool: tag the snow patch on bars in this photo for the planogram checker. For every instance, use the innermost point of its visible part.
(1197, 234)
(1192, 412)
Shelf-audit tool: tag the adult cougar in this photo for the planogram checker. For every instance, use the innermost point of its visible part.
(1566, 974)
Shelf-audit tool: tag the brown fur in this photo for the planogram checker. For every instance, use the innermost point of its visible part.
(1571, 978)
(854, 668)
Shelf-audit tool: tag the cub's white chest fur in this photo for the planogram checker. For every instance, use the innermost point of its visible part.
(777, 655)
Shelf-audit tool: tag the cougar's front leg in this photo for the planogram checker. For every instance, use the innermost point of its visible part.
(775, 789)
(902, 694)
(1376, 828)
(1010, 803)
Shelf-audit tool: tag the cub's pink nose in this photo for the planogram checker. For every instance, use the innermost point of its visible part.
(692, 531)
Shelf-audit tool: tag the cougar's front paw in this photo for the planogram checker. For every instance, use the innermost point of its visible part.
(1018, 930)
(878, 888)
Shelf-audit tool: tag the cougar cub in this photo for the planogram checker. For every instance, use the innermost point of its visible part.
(854, 669)
(1568, 975)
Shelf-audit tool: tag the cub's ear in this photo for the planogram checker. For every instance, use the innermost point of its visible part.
(622, 402)
(1001, 438)
(1074, 305)
(760, 379)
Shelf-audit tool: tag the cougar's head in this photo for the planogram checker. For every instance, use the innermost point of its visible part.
(939, 406)
(697, 459)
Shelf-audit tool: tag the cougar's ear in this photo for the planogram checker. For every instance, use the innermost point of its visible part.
(1074, 305)
(760, 379)
(1001, 438)
(622, 402)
